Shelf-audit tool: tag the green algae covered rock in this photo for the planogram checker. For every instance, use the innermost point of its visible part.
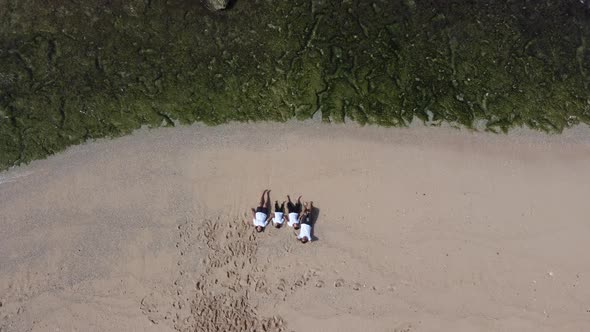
(217, 4)
(75, 71)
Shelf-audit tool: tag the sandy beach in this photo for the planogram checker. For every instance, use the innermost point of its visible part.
(419, 229)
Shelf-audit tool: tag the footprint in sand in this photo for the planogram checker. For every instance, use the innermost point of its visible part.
(149, 308)
(339, 283)
(406, 327)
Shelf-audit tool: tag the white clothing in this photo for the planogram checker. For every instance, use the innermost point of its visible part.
(260, 219)
(293, 219)
(305, 231)
(278, 219)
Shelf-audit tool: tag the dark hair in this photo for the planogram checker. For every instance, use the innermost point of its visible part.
(278, 225)
(259, 229)
(304, 239)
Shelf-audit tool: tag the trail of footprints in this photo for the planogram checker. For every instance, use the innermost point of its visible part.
(219, 298)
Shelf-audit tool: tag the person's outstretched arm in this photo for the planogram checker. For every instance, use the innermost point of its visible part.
(302, 216)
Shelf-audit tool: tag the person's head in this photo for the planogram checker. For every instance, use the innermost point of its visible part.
(259, 229)
(304, 239)
(296, 226)
(278, 225)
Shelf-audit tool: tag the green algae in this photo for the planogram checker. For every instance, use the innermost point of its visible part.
(75, 71)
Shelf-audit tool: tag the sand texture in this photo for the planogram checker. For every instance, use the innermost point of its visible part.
(418, 229)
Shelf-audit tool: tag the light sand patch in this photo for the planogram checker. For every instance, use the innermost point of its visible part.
(419, 229)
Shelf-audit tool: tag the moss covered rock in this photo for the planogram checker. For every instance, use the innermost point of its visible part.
(71, 71)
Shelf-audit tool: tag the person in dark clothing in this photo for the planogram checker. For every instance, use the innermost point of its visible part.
(306, 223)
(260, 214)
(294, 210)
(279, 217)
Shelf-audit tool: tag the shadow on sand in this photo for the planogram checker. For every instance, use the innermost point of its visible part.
(315, 214)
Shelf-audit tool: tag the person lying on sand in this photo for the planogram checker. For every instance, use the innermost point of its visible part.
(294, 210)
(279, 218)
(260, 215)
(305, 219)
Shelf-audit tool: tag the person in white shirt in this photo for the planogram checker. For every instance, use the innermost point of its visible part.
(294, 211)
(279, 217)
(306, 223)
(260, 214)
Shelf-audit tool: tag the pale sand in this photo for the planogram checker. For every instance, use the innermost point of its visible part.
(420, 229)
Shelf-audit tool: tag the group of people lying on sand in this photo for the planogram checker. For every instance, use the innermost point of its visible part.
(296, 218)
